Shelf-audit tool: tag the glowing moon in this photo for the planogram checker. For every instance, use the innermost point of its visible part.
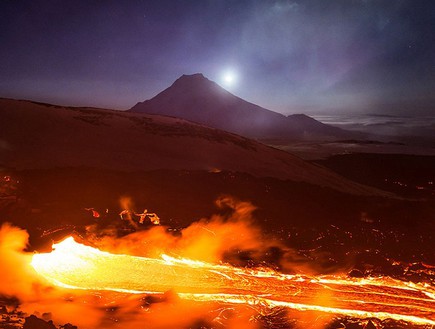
(229, 79)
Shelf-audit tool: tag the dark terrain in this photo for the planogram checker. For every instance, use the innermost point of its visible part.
(73, 162)
(337, 225)
(410, 176)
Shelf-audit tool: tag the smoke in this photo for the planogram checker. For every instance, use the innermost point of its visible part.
(215, 239)
(207, 240)
(35, 296)
(17, 277)
(228, 237)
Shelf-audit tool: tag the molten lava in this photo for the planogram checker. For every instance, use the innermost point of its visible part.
(76, 266)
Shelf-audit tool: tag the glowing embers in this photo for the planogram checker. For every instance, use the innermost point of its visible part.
(77, 266)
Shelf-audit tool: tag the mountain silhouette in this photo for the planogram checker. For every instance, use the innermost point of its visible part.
(198, 99)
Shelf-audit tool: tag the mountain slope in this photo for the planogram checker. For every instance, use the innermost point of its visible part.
(34, 136)
(195, 98)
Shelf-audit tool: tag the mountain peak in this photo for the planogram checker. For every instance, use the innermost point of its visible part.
(192, 76)
(195, 85)
(192, 80)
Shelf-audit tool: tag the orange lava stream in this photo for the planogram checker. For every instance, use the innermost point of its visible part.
(76, 266)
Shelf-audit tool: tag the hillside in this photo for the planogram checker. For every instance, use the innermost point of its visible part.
(42, 136)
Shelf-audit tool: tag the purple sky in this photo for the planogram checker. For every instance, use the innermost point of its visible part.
(312, 56)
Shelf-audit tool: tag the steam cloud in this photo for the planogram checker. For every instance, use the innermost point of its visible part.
(220, 238)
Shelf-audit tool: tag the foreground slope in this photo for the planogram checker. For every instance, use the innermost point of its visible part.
(195, 98)
(34, 135)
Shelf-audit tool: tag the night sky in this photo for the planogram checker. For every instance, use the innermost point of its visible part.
(313, 56)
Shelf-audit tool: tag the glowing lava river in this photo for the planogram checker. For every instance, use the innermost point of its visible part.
(76, 266)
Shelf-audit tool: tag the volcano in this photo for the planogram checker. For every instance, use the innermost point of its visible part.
(198, 99)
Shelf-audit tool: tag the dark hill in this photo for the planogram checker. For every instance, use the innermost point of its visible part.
(39, 136)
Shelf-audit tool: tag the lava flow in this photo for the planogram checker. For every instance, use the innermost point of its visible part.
(76, 266)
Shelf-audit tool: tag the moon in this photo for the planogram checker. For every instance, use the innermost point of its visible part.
(229, 78)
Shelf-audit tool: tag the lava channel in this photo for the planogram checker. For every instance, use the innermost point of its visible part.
(76, 266)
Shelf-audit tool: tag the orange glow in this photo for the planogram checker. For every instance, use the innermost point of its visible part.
(76, 266)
